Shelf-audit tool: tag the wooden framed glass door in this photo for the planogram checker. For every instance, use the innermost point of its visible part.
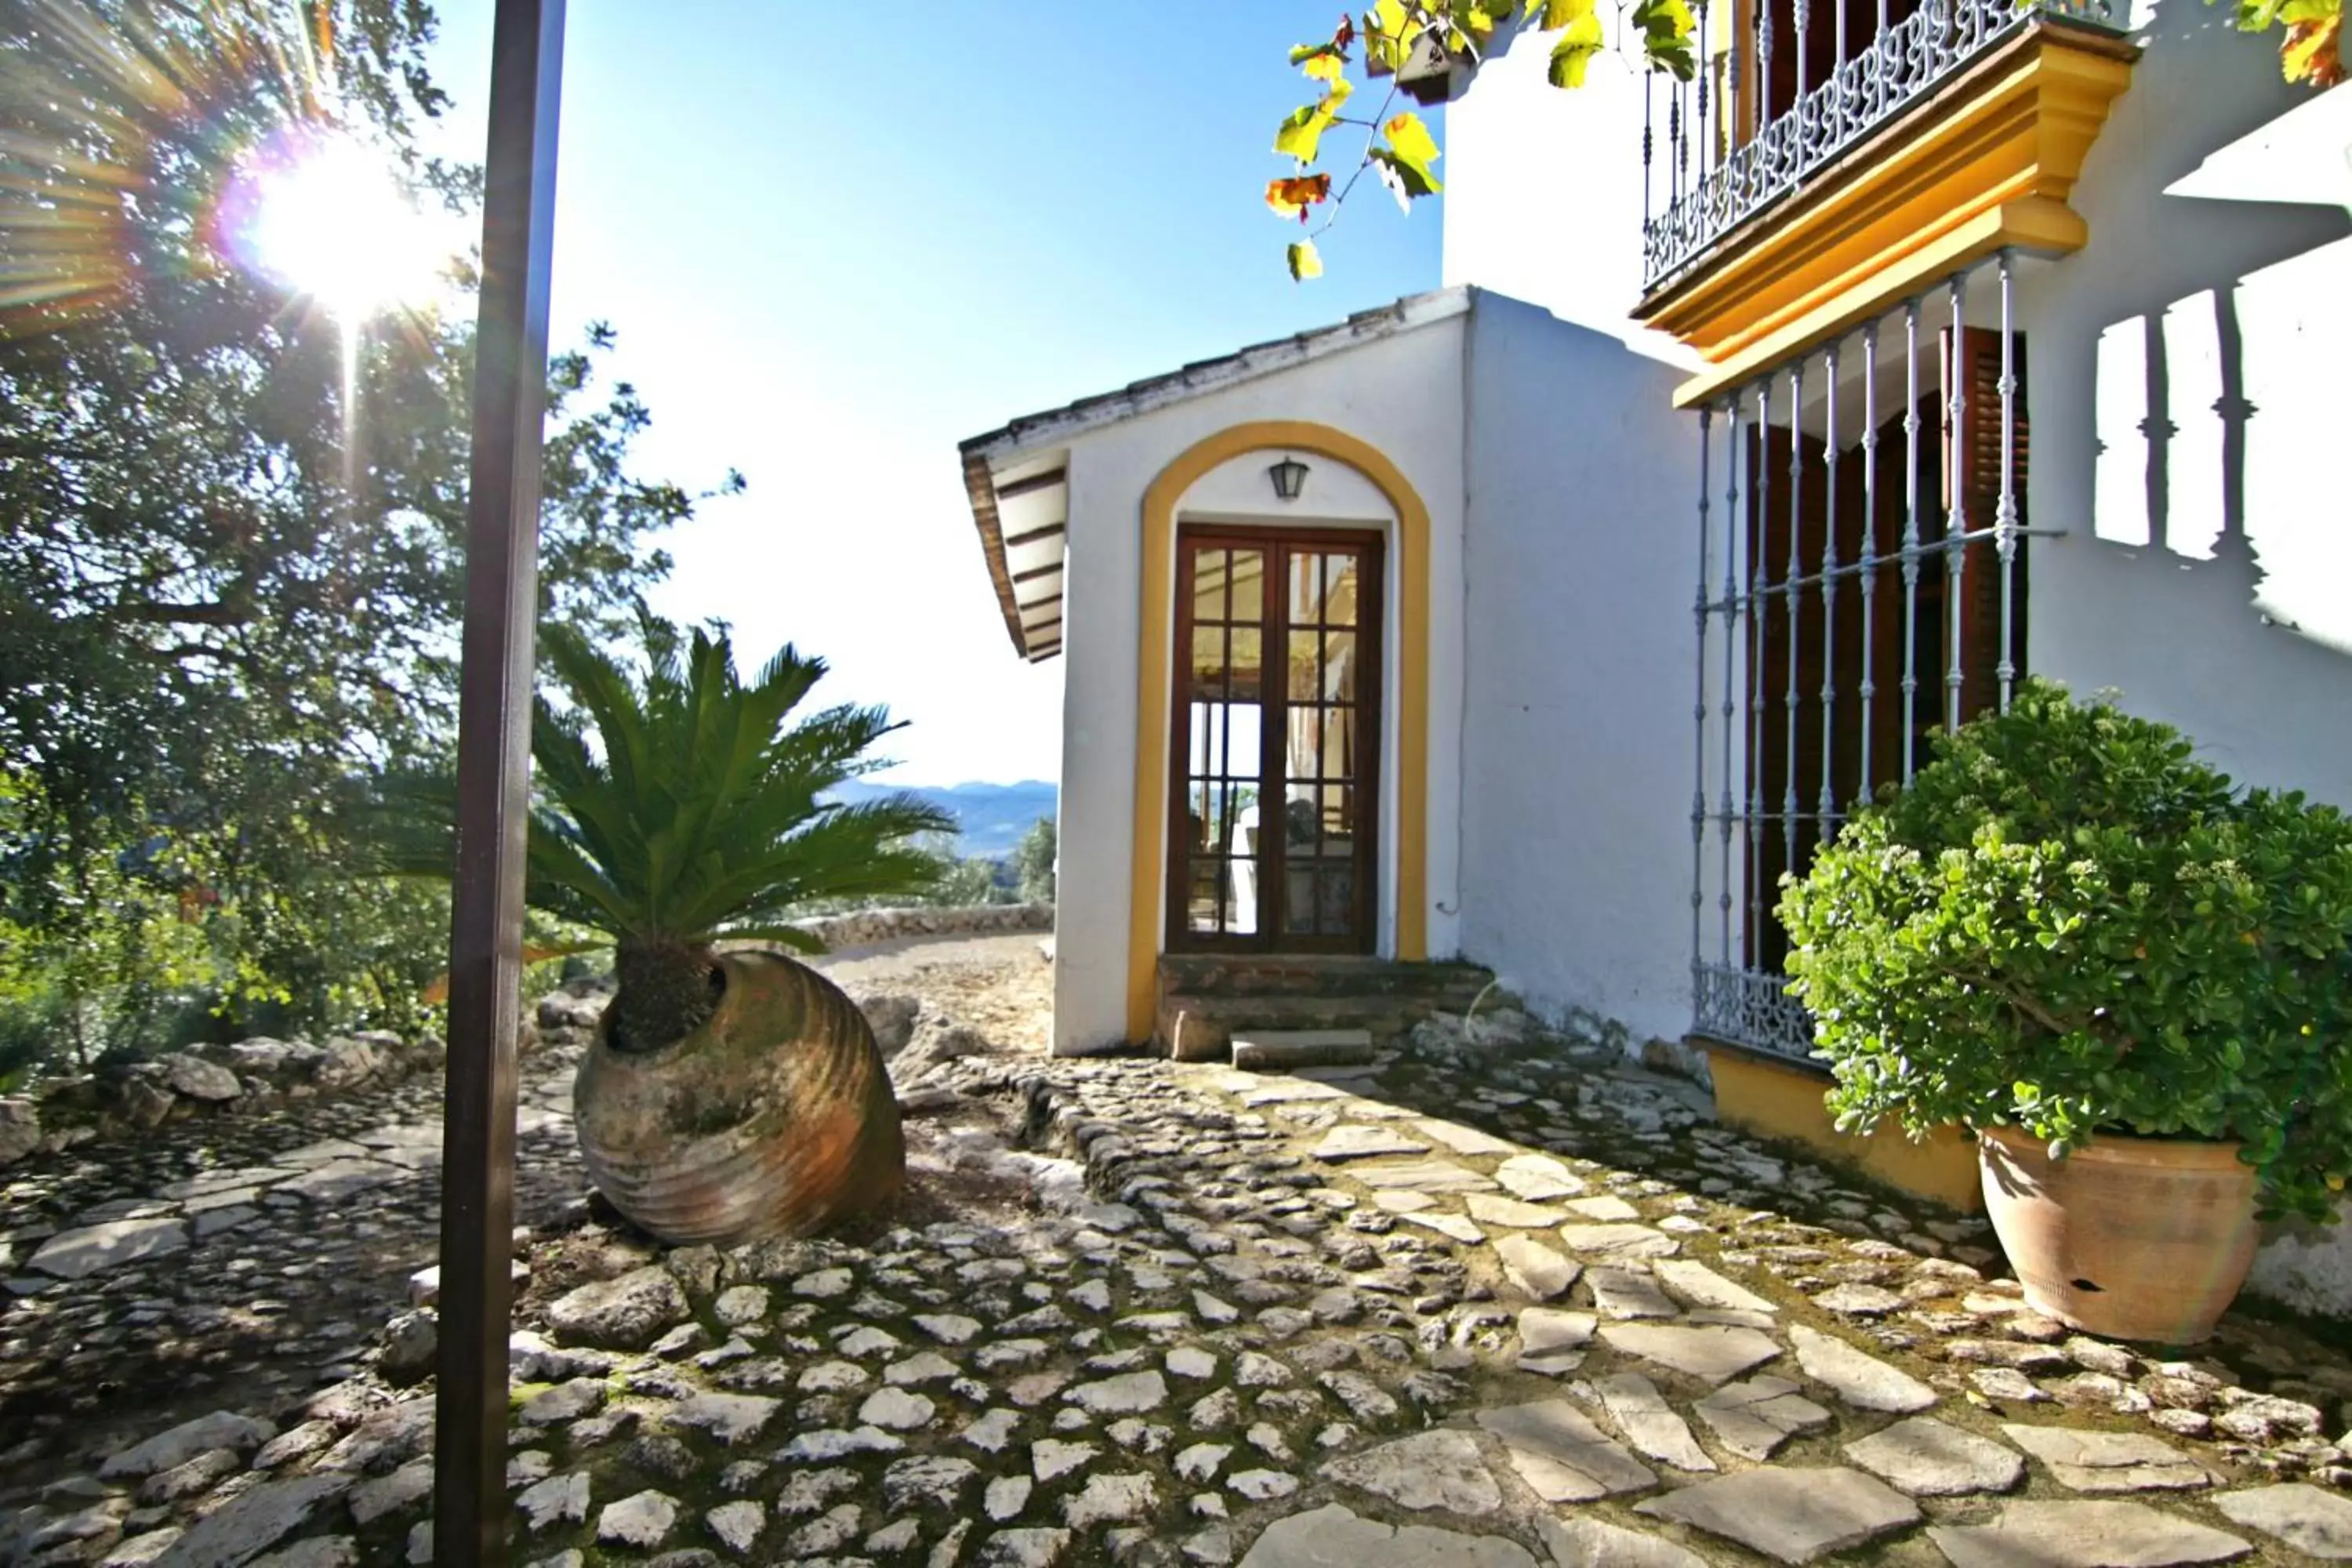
(1274, 834)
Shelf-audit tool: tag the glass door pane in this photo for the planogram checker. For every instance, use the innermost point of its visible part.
(1321, 841)
(1223, 680)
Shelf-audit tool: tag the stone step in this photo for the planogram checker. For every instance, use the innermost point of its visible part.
(1284, 1050)
(1291, 974)
(1201, 1028)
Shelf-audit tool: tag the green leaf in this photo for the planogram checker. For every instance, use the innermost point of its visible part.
(1574, 52)
(1305, 262)
(1404, 180)
(1559, 14)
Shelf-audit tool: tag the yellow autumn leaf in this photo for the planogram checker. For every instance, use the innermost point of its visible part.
(1410, 139)
(1290, 197)
(1305, 262)
(1559, 14)
(1323, 68)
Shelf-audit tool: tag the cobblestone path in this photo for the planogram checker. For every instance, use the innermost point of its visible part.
(1481, 1307)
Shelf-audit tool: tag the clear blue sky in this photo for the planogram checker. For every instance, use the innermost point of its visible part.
(832, 253)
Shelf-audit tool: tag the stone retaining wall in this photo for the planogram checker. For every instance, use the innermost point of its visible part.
(864, 927)
(251, 1077)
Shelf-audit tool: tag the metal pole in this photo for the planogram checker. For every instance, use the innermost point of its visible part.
(494, 700)
(2006, 528)
(1698, 721)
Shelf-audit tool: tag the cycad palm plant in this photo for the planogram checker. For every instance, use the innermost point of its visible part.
(731, 1093)
(699, 817)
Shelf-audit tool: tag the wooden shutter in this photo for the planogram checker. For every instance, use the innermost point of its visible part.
(1972, 488)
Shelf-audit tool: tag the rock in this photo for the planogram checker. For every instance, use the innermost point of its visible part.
(200, 1474)
(1561, 1454)
(1628, 1293)
(2265, 1418)
(385, 1439)
(1695, 1285)
(891, 1016)
(564, 1402)
(20, 1128)
(1538, 1271)
(834, 1443)
(897, 1410)
(252, 1522)
(1109, 1499)
(345, 1061)
(1451, 1226)
(1005, 1498)
(2083, 1535)
(1464, 1140)
(737, 1525)
(948, 1328)
(1577, 1542)
(642, 1521)
(1359, 1141)
(1547, 1331)
(627, 1313)
(79, 1254)
(1712, 1353)
(1512, 1214)
(405, 1487)
(2110, 1461)
(1859, 1300)
(412, 1347)
(731, 1418)
(555, 1500)
(1128, 1394)
(340, 1179)
(1537, 1178)
(316, 1552)
(1755, 1418)
(1789, 1515)
(194, 1078)
(221, 1429)
(1649, 1423)
(936, 1480)
(1619, 1242)
(2306, 1518)
(1334, 1537)
(1438, 1469)
(1605, 1207)
(137, 1551)
(1926, 1458)
(1024, 1549)
(1422, 1176)
(1862, 1381)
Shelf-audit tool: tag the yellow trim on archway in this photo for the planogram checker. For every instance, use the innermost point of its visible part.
(1410, 571)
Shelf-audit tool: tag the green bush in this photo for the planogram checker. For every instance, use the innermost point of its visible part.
(2069, 924)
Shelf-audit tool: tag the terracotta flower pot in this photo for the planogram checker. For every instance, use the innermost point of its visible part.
(774, 1118)
(2132, 1238)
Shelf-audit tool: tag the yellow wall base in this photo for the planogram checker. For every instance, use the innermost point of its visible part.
(1775, 1101)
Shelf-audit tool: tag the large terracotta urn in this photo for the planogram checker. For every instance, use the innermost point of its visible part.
(2130, 1239)
(775, 1118)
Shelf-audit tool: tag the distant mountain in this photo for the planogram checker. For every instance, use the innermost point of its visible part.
(992, 816)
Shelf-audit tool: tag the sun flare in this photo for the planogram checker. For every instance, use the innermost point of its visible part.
(325, 216)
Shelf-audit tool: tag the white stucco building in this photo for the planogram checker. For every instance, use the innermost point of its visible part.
(1701, 493)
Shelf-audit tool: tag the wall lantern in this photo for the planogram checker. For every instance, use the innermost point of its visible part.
(1289, 477)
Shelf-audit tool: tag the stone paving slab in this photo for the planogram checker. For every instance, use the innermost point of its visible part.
(1789, 1515)
(2085, 1535)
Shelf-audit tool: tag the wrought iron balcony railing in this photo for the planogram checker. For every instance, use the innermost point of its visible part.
(1756, 136)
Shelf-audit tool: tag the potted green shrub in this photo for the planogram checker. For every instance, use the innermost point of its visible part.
(730, 1093)
(2133, 980)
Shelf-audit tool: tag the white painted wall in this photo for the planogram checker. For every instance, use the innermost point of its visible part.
(1403, 395)
(1581, 562)
(2205, 576)
(1543, 192)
